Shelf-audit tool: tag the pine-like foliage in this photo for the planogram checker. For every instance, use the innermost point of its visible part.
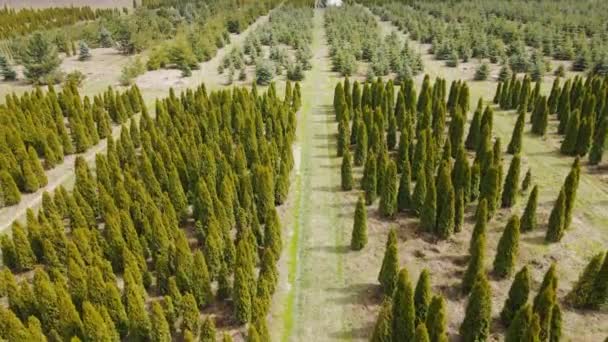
(359, 234)
(478, 315)
(390, 265)
(511, 188)
(518, 296)
(582, 293)
(518, 327)
(388, 197)
(347, 173)
(508, 248)
(422, 296)
(383, 330)
(555, 230)
(404, 314)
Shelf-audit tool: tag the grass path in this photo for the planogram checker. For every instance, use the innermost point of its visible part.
(316, 252)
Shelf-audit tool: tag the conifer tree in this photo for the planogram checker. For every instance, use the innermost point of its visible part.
(599, 291)
(369, 179)
(95, 329)
(388, 199)
(478, 316)
(139, 323)
(599, 142)
(347, 175)
(421, 333)
(518, 296)
(508, 248)
(422, 296)
(7, 72)
(9, 193)
(555, 230)
(428, 216)
(517, 136)
(543, 307)
(160, 328)
(383, 331)
(475, 268)
(361, 146)
(420, 190)
(585, 135)
(436, 320)
(201, 282)
(404, 197)
(390, 265)
(359, 234)
(581, 293)
(490, 188)
(570, 187)
(519, 325)
(445, 203)
(511, 187)
(472, 140)
(208, 333)
(190, 314)
(568, 146)
(540, 116)
(25, 258)
(528, 219)
(84, 52)
(481, 220)
(459, 207)
(404, 315)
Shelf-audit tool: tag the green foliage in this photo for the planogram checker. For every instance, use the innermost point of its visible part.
(511, 188)
(390, 265)
(404, 315)
(482, 72)
(359, 234)
(555, 230)
(520, 324)
(422, 297)
(131, 70)
(369, 179)
(388, 197)
(478, 315)
(436, 320)
(528, 219)
(518, 296)
(347, 175)
(6, 70)
(40, 60)
(508, 248)
(383, 331)
(582, 293)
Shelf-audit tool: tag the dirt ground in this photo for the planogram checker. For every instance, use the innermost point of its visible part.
(447, 259)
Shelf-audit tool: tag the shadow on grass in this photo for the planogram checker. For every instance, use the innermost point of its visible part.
(334, 188)
(331, 249)
(354, 332)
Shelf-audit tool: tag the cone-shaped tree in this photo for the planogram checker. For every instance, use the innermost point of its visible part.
(518, 296)
(490, 189)
(475, 268)
(390, 265)
(599, 142)
(359, 234)
(580, 294)
(478, 316)
(481, 220)
(517, 136)
(474, 131)
(511, 187)
(420, 190)
(445, 203)
(369, 179)
(404, 315)
(599, 292)
(201, 281)
(361, 147)
(508, 248)
(570, 189)
(9, 194)
(568, 146)
(436, 320)
(388, 199)
(528, 219)
(160, 328)
(383, 330)
(25, 258)
(422, 296)
(532, 333)
(95, 328)
(347, 173)
(421, 333)
(585, 135)
(540, 116)
(519, 325)
(549, 280)
(404, 197)
(428, 216)
(555, 231)
(459, 206)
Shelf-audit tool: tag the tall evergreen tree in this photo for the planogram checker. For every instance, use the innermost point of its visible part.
(528, 219)
(518, 296)
(390, 265)
(388, 199)
(422, 296)
(359, 234)
(581, 293)
(508, 248)
(478, 316)
(511, 187)
(347, 174)
(369, 179)
(555, 231)
(599, 142)
(404, 315)
(517, 136)
(436, 320)
(519, 325)
(383, 330)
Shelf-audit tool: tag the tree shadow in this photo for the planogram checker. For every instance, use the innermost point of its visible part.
(344, 249)
(361, 294)
(323, 188)
(361, 332)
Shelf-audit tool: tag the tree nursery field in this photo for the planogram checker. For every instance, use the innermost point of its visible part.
(304, 170)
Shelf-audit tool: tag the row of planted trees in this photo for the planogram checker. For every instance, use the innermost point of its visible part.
(40, 128)
(180, 216)
(445, 182)
(579, 107)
